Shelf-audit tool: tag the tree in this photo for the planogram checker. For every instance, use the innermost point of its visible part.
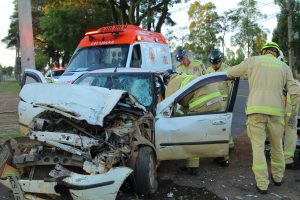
(150, 14)
(58, 26)
(248, 31)
(225, 21)
(280, 32)
(234, 58)
(204, 28)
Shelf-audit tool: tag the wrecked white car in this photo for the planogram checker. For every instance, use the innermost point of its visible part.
(83, 140)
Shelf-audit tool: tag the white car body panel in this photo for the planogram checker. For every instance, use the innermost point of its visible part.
(181, 137)
(93, 105)
(112, 180)
(189, 136)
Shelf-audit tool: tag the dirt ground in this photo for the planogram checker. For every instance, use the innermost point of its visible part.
(213, 182)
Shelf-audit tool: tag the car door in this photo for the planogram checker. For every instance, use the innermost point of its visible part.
(180, 136)
(26, 110)
(32, 76)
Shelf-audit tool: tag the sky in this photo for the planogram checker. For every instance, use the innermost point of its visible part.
(179, 15)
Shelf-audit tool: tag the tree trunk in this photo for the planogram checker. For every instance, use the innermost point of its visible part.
(163, 16)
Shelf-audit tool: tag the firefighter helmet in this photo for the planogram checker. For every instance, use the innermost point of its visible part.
(272, 46)
(180, 54)
(215, 56)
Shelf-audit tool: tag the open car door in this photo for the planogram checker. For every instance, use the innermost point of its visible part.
(32, 76)
(25, 117)
(180, 136)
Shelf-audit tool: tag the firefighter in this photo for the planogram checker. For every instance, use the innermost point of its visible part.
(265, 110)
(290, 136)
(187, 66)
(216, 59)
(204, 99)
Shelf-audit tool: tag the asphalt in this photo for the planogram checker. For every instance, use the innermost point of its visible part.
(239, 115)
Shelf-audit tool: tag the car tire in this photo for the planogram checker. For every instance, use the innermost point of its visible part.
(145, 171)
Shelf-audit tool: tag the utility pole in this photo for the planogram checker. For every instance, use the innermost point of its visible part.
(26, 35)
(289, 9)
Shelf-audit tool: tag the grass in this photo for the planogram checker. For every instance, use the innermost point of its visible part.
(4, 136)
(9, 86)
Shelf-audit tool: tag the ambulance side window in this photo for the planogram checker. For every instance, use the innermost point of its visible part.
(136, 58)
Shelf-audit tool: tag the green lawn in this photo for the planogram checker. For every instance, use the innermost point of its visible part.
(9, 86)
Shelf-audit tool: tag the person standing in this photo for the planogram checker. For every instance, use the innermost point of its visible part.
(265, 110)
(216, 58)
(187, 66)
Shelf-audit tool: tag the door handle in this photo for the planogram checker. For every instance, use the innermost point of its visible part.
(218, 122)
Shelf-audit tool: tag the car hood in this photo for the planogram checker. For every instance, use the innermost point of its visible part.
(88, 103)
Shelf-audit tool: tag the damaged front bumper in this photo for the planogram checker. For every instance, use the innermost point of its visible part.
(67, 183)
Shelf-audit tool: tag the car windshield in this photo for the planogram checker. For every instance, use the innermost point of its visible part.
(98, 57)
(138, 85)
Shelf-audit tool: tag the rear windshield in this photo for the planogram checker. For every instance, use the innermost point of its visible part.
(138, 85)
(98, 57)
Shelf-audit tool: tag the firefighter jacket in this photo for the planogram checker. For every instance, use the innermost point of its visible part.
(223, 68)
(224, 87)
(195, 68)
(204, 99)
(267, 78)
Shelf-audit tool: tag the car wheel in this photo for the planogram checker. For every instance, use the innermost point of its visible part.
(145, 171)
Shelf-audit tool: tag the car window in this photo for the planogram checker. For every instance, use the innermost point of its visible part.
(210, 98)
(99, 57)
(57, 72)
(139, 86)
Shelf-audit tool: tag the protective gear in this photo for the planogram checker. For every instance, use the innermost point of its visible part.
(266, 91)
(167, 75)
(270, 45)
(290, 133)
(215, 56)
(256, 126)
(224, 87)
(266, 109)
(180, 55)
(194, 68)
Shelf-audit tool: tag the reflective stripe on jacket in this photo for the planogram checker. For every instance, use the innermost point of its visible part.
(206, 95)
(267, 77)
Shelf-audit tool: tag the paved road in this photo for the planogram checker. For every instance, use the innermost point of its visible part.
(239, 116)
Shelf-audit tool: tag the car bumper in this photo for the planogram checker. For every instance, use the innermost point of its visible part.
(88, 187)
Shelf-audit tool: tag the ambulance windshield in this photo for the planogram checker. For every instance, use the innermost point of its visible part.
(98, 57)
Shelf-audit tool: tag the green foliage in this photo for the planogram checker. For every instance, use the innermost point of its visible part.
(64, 25)
(249, 34)
(41, 60)
(204, 28)
(9, 86)
(234, 58)
(6, 70)
(280, 34)
(150, 14)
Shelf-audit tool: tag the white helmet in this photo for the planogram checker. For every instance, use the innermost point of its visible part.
(281, 57)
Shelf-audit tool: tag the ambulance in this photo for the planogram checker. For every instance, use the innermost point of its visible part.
(119, 46)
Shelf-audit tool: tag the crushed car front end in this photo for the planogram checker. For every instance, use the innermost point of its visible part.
(81, 148)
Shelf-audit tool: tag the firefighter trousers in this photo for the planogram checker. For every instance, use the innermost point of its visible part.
(290, 140)
(258, 125)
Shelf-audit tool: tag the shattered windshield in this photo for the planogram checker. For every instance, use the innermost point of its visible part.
(98, 57)
(138, 85)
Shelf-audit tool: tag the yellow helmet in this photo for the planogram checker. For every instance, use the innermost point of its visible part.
(271, 45)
